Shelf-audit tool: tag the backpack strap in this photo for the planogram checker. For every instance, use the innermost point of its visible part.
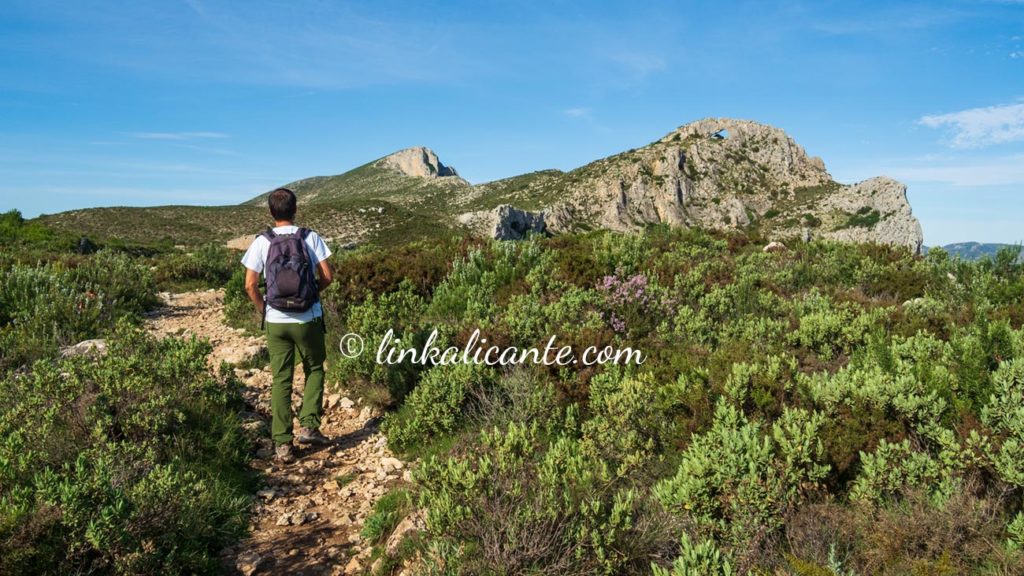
(303, 232)
(269, 233)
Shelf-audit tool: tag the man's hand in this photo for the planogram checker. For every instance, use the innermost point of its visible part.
(252, 288)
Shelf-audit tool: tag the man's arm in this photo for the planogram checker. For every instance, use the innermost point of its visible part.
(326, 274)
(252, 288)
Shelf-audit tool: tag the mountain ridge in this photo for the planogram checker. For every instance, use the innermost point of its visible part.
(715, 173)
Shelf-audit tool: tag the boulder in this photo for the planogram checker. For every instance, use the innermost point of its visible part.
(410, 525)
(92, 348)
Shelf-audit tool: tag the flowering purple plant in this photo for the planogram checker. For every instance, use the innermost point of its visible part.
(631, 297)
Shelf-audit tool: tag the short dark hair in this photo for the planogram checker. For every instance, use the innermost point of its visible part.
(282, 204)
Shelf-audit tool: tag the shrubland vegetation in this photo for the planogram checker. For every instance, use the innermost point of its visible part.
(130, 462)
(832, 409)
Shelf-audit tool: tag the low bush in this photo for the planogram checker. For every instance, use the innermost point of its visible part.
(859, 381)
(206, 266)
(131, 463)
(59, 303)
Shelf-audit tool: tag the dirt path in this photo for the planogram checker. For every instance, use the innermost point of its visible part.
(307, 516)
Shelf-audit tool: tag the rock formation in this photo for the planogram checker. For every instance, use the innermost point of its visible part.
(724, 174)
(715, 173)
(882, 206)
(504, 222)
(418, 161)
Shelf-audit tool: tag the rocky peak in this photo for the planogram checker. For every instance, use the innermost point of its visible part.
(418, 161)
(721, 173)
(713, 140)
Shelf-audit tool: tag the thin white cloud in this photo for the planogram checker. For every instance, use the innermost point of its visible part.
(197, 7)
(638, 64)
(1000, 171)
(979, 127)
(177, 136)
(893, 19)
(578, 112)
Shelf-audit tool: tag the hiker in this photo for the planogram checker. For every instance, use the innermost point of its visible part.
(294, 263)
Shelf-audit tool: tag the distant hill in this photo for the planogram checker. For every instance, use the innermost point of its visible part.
(976, 250)
(715, 173)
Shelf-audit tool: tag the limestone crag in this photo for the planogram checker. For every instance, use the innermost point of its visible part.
(722, 174)
(881, 196)
(419, 162)
(504, 222)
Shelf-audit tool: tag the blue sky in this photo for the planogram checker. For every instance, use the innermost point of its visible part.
(213, 101)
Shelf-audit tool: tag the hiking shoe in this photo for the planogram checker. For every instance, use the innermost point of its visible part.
(310, 436)
(284, 454)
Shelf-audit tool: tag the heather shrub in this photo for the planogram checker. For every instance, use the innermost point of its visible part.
(55, 304)
(634, 303)
(130, 463)
(206, 266)
(399, 312)
(436, 405)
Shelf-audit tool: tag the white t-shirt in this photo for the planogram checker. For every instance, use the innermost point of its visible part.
(255, 259)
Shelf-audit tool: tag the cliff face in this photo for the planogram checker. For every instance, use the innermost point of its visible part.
(728, 174)
(418, 162)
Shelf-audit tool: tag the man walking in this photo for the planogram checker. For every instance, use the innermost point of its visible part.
(294, 262)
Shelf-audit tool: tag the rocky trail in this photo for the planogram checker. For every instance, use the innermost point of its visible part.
(306, 516)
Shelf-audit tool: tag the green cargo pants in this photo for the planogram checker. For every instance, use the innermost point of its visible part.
(283, 340)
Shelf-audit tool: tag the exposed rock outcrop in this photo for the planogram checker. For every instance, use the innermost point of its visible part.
(504, 222)
(720, 173)
(241, 242)
(880, 213)
(91, 348)
(418, 161)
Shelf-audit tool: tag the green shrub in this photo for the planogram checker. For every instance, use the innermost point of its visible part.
(435, 406)
(736, 483)
(702, 559)
(893, 469)
(45, 307)
(207, 266)
(512, 506)
(1004, 415)
(388, 511)
(130, 463)
(400, 311)
(15, 230)
(238, 308)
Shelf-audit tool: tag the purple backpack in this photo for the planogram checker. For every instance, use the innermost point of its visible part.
(291, 283)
